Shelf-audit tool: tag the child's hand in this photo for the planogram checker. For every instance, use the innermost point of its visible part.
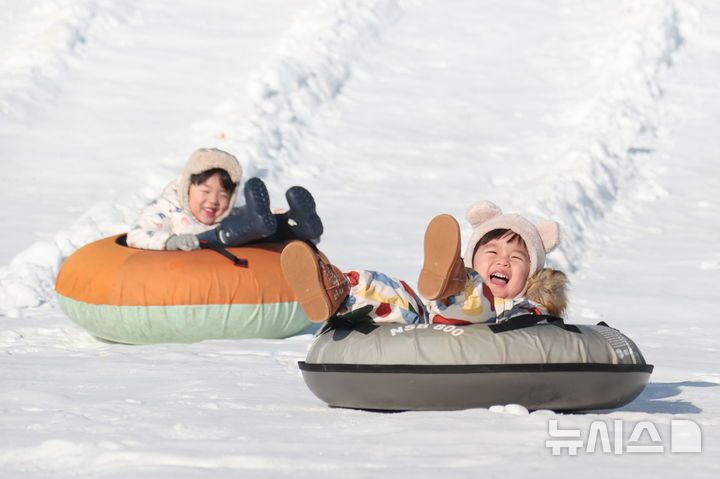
(182, 242)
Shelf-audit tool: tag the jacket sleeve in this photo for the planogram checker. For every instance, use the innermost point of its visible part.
(509, 308)
(153, 227)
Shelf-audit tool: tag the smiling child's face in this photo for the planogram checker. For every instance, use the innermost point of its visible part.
(208, 200)
(504, 265)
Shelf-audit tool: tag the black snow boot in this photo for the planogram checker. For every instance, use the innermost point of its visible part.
(301, 220)
(251, 222)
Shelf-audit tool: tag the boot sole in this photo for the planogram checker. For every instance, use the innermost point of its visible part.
(441, 249)
(257, 199)
(302, 272)
(302, 212)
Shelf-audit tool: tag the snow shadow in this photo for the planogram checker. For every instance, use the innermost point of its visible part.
(658, 398)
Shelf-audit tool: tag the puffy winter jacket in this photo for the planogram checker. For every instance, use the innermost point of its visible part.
(163, 218)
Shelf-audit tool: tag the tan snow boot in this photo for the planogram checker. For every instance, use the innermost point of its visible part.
(320, 287)
(443, 273)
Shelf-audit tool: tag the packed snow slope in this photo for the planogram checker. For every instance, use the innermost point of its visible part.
(601, 115)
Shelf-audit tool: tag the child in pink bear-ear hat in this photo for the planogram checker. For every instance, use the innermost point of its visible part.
(502, 275)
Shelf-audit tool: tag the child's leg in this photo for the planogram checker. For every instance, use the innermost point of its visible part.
(474, 304)
(443, 272)
(323, 290)
(250, 222)
(392, 300)
(300, 221)
(455, 294)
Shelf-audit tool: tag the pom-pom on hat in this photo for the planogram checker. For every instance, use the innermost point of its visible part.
(486, 216)
(204, 159)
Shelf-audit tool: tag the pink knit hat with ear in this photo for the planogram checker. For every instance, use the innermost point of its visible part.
(204, 159)
(540, 239)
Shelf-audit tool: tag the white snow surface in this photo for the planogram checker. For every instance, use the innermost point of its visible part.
(601, 115)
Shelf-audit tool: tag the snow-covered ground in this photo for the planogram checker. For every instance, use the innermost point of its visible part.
(602, 115)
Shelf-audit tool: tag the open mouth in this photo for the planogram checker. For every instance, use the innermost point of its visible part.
(209, 212)
(499, 278)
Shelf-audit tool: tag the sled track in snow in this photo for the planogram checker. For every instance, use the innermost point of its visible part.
(310, 70)
(42, 42)
(313, 64)
(609, 174)
(603, 176)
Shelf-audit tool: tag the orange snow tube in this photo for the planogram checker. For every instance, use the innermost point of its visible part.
(138, 296)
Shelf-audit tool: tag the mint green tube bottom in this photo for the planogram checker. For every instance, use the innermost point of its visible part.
(185, 323)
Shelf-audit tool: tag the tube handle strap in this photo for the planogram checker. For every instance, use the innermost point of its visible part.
(527, 320)
(213, 246)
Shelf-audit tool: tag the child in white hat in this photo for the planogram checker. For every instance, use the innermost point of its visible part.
(199, 205)
(502, 276)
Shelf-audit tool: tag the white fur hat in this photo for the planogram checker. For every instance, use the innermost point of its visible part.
(540, 239)
(204, 159)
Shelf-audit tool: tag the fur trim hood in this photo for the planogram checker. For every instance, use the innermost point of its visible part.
(548, 287)
(204, 159)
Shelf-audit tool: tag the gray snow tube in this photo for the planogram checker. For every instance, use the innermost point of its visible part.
(445, 367)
